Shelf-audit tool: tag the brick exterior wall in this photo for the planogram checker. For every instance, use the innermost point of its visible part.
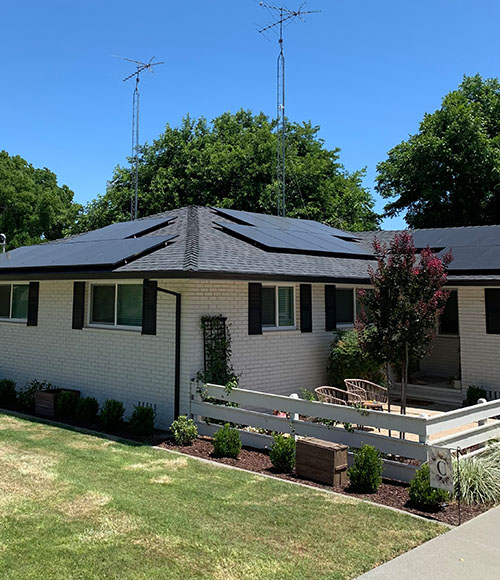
(480, 352)
(125, 365)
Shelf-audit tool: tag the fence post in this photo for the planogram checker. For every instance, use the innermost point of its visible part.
(195, 396)
(294, 416)
(482, 421)
(424, 438)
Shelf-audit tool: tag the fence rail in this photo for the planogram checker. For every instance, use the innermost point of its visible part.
(256, 409)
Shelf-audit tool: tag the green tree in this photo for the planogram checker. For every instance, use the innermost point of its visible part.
(33, 207)
(231, 163)
(448, 174)
(404, 305)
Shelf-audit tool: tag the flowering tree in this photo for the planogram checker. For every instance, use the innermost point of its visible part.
(399, 316)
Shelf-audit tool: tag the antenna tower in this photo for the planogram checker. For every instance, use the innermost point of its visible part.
(282, 15)
(140, 68)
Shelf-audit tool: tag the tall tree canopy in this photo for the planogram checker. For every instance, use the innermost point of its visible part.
(33, 207)
(231, 163)
(448, 174)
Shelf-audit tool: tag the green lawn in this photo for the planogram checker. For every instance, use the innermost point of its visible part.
(78, 507)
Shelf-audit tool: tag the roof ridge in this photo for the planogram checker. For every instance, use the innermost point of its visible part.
(192, 250)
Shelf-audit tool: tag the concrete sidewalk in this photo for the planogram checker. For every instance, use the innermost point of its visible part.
(465, 553)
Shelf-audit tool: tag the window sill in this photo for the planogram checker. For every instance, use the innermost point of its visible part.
(13, 320)
(272, 329)
(113, 327)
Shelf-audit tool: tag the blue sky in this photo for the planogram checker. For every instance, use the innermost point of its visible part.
(365, 71)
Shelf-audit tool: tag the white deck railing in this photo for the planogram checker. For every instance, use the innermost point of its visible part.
(255, 409)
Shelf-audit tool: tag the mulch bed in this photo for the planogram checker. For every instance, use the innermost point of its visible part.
(390, 493)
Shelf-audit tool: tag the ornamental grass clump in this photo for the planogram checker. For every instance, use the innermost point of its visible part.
(282, 454)
(184, 430)
(479, 478)
(422, 495)
(227, 442)
(365, 475)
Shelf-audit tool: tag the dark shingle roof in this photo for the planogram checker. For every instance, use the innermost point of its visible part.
(200, 246)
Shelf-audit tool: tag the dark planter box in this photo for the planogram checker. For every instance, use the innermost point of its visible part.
(321, 461)
(46, 401)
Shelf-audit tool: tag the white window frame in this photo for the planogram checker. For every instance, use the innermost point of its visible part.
(12, 284)
(276, 309)
(110, 326)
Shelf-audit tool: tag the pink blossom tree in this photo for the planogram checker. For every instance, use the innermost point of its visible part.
(399, 316)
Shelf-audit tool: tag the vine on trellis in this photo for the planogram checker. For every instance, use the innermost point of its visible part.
(217, 367)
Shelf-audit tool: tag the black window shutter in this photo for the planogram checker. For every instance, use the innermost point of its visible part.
(33, 292)
(78, 305)
(149, 294)
(254, 308)
(305, 308)
(492, 306)
(330, 308)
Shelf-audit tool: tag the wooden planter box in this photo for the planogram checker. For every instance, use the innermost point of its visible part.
(46, 401)
(321, 461)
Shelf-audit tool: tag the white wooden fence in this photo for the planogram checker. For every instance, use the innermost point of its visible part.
(255, 409)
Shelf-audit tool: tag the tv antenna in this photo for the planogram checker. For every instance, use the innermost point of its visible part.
(282, 16)
(140, 68)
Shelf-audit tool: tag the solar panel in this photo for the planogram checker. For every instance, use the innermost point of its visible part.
(296, 241)
(475, 258)
(124, 230)
(101, 254)
(283, 223)
(479, 236)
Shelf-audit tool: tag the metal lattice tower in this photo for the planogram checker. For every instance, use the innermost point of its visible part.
(140, 68)
(282, 15)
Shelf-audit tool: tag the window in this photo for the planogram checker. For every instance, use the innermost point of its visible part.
(14, 301)
(492, 306)
(278, 306)
(344, 299)
(449, 318)
(116, 305)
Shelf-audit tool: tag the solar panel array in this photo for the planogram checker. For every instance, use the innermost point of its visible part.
(101, 254)
(124, 230)
(105, 248)
(292, 235)
(475, 248)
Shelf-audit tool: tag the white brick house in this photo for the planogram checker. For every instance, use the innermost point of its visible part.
(78, 312)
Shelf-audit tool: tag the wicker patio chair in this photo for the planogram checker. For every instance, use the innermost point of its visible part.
(335, 396)
(366, 390)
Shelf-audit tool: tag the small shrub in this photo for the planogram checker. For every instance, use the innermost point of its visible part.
(87, 409)
(66, 405)
(26, 396)
(184, 430)
(473, 395)
(227, 442)
(308, 395)
(347, 360)
(282, 453)
(422, 495)
(142, 421)
(8, 394)
(479, 478)
(365, 475)
(112, 414)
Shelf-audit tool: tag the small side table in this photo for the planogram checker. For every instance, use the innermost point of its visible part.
(372, 405)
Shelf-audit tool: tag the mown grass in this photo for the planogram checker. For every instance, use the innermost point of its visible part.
(78, 507)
